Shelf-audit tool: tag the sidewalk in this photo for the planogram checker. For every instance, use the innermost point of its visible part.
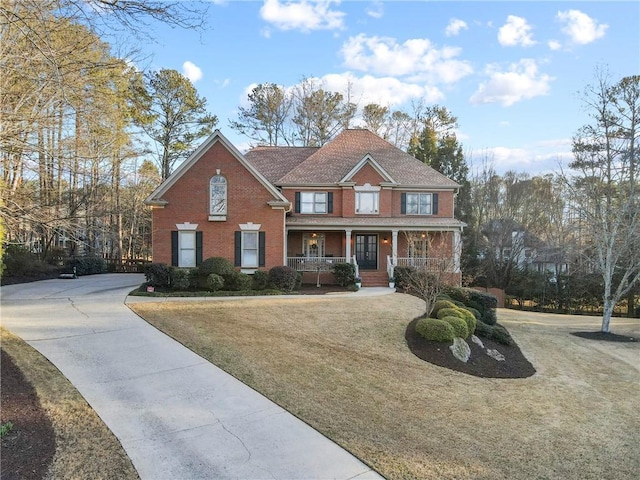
(176, 415)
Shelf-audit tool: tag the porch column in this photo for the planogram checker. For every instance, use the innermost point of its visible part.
(394, 247)
(347, 251)
(457, 251)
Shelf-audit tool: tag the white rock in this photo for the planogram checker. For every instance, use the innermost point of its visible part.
(495, 354)
(460, 349)
(477, 341)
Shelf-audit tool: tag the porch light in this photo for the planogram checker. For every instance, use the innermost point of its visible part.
(385, 240)
(424, 235)
(314, 235)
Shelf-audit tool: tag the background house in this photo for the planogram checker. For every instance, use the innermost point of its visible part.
(357, 199)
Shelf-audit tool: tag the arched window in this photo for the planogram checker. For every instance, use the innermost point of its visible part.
(218, 198)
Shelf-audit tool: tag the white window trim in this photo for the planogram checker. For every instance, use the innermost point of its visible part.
(319, 241)
(222, 215)
(419, 212)
(314, 203)
(184, 229)
(254, 228)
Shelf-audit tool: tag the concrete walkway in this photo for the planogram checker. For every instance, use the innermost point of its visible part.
(176, 415)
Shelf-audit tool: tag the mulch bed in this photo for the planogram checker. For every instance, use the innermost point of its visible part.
(606, 337)
(28, 448)
(480, 364)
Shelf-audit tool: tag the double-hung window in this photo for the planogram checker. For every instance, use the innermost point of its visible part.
(249, 249)
(314, 202)
(249, 245)
(367, 202)
(420, 203)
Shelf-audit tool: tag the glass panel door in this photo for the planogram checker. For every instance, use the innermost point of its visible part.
(367, 251)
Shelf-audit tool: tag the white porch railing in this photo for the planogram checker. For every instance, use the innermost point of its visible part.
(314, 264)
(436, 265)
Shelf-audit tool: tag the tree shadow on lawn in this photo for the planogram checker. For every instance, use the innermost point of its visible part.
(480, 364)
(606, 337)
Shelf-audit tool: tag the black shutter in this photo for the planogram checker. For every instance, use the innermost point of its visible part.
(198, 248)
(435, 204)
(330, 202)
(403, 203)
(297, 210)
(174, 248)
(261, 249)
(237, 261)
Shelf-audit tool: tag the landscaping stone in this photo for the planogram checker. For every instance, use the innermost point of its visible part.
(477, 341)
(460, 349)
(495, 354)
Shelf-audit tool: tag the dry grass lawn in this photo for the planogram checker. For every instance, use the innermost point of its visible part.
(341, 364)
(85, 447)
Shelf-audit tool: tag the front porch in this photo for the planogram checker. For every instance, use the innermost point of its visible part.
(373, 254)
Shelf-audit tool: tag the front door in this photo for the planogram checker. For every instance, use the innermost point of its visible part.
(367, 251)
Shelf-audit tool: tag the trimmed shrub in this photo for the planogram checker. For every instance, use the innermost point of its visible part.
(449, 312)
(439, 305)
(86, 265)
(459, 326)
(215, 282)
(344, 273)
(158, 275)
(470, 319)
(436, 330)
(501, 335)
(260, 280)
(489, 317)
(218, 265)
(483, 330)
(284, 278)
(180, 279)
(238, 282)
(402, 275)
(476, 313)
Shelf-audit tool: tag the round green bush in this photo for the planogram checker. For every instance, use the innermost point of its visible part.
(180, 279)
(436, 330)
(470, 319)
(218, 265)
(459, 326)
(501, 335)
(476, 313)
(260, 280)
(215, 282)
(283, 278)
(439, 305)
(449, 312)
(238, 282)
(483, 330)
(489, 317)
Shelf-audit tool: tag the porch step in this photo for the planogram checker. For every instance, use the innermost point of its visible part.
(374, 278)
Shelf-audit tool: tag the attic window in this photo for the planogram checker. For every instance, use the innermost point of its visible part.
(217, 198)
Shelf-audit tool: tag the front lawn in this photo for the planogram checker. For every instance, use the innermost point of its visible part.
(342, 365)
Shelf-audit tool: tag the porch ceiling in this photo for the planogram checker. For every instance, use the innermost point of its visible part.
(364, 223)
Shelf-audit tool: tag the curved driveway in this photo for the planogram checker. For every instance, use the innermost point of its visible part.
(176, 415)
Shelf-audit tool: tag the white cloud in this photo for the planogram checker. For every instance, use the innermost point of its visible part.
(515, 32)
(554, 45)
(580, 27)
(191, 71)
(306, 15)
(375, 10)
(454, 27)
(521, 81)
(416, 57)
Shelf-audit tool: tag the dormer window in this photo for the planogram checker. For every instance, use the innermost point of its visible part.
(217, 198)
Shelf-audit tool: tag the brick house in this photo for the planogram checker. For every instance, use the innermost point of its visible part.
(357, 199)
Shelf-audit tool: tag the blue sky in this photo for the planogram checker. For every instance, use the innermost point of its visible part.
(510, 71)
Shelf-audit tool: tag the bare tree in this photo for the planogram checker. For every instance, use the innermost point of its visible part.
(604, 189)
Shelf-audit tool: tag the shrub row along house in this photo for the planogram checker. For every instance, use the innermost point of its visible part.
(357, 199)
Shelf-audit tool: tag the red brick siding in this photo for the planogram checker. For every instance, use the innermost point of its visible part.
(246, 199)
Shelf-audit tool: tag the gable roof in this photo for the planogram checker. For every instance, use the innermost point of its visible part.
(276, 162)
(156, 196)
(337, 161)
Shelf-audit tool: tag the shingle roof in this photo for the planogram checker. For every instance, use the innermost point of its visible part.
(330, 163)
(275, 162)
